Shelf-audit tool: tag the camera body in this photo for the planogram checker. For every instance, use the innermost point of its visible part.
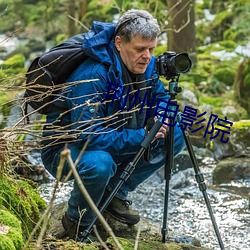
(171, 65)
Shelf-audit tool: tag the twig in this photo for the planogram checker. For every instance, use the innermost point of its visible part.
(45, 217)
(137, 236)
(77, 21)
(99, 238)
(66, 154)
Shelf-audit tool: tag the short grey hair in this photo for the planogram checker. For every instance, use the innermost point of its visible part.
(137, 22)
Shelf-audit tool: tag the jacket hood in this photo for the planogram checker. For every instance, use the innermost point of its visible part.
(98, 42)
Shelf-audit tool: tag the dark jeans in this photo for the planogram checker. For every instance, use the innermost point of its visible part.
(99, 170)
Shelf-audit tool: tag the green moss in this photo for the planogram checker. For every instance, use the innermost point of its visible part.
(160, 50)
(13, 71)
(91, 247)
(241, 124)
(6, 243)
(21, 199)
(128, 244)
(228, 45)
(212, 100)
(242, 84)
(225, 75)
(16, 237)
(16, 61)
(9, 219)
(13, 239)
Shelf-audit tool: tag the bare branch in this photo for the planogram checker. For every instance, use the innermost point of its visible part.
(66, 154)
(77, 21)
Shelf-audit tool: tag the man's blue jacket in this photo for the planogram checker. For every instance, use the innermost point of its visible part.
(87, 118)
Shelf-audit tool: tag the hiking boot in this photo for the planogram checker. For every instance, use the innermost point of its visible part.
(121, 211)
(75, 231)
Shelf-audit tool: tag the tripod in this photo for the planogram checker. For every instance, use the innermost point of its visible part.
(173, 90)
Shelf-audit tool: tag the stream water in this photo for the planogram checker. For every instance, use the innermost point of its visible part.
(187, 212)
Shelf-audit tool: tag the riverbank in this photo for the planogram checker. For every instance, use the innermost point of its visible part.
(188, 216)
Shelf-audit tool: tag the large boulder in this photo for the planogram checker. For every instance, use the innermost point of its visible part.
(238, 143)
(231, 169)
(150, 235)
(234, 156)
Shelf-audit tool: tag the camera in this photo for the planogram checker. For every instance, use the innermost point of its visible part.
(171, 65)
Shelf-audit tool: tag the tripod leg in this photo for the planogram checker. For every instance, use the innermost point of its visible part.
(168, 173)
(202, 186)
(126, 173)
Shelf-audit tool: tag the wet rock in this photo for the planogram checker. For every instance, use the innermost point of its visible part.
(181, 179)
(231, 169)
(149, 233)
(238, 143)
(30, 167)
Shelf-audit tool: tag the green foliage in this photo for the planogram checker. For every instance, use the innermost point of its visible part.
(22, 200)
(234, 111)
(48, 20)
(60, 38)
(6, 243)
(242, 84)
(160, 50)
(238, 31)
(12, 67)
(224, 75)
(221, 23)
(128, 244)
(229, 23)
(5, 97)
(13, 239)
(16, 61)
(214, 101)
(228, 45)
(215, 71)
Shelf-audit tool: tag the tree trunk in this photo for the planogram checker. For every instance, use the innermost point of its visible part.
(83, 8)
(181, 27)
(71, 6)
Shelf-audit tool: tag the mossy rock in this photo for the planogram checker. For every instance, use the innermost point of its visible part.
(225, 75)
(224, 105)
(128, 244)
(125, 243)
(239, 141)
(150, 236)
(21, 199)
(11, 237)
(231, 169)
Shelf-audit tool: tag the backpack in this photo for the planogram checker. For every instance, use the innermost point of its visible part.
(47, 74)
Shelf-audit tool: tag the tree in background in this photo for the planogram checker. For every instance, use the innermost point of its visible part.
(181, 26)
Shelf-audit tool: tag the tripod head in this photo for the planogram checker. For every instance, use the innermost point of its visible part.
(174, 89)
(171, 65)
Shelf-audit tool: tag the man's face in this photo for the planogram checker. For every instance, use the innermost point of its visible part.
(137, 53)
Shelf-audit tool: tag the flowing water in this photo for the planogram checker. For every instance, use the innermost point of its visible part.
(187, 212)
